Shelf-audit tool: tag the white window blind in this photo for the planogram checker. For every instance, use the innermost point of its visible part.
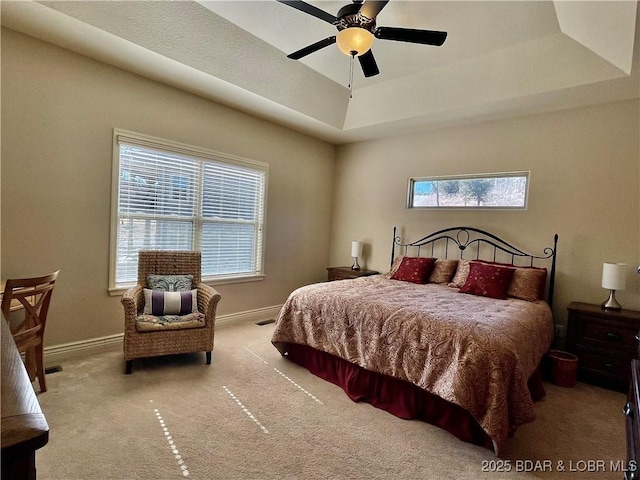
(176, 197)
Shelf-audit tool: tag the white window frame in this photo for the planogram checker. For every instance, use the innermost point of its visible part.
(414, 180)
(197, 154)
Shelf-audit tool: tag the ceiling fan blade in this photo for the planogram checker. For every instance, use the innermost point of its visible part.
(311, 10)
(314, 47)
(426, 37)
(371, 8)
(368, 64)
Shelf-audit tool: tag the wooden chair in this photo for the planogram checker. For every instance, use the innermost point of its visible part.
(141, 342)
(33, 296)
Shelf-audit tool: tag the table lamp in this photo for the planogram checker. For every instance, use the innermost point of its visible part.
(614, 277)
(356, 251)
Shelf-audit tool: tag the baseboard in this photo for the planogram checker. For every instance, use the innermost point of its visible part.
(256, 315)
(56, 353)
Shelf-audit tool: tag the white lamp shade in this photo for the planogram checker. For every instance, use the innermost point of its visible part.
(614, 276)
(356, 249)
(354, 41)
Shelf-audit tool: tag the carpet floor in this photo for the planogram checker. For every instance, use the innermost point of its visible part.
(252, 414)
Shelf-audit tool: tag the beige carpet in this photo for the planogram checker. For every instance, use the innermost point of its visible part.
(254, 415)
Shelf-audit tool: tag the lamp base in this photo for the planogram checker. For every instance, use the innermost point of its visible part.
(355, 265)
(611, 303)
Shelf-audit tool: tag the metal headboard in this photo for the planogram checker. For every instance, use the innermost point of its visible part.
(471, 239)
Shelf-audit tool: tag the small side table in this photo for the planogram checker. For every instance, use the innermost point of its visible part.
(343, 273)
(605, 343)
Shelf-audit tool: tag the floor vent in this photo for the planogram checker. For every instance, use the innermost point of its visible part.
(265, 322)
(54, 369)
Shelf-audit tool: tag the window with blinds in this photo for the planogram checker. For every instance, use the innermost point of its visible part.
(170, 196)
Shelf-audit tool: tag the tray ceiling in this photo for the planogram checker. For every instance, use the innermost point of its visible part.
(500, 59)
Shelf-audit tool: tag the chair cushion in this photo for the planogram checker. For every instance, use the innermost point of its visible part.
(157, 302)
(170, 283)
(147, 323)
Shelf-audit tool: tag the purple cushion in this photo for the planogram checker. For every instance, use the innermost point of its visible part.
(158, 302)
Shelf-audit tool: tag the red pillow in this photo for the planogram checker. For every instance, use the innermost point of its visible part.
(488, 280)
(414, 269)
(528, 282)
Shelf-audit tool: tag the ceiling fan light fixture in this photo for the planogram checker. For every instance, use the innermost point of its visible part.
(354, 41)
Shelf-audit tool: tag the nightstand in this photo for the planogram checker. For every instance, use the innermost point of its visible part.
(343, 273)
(605, 343)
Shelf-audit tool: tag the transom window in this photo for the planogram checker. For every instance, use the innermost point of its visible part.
(493, 190)
(171, 196)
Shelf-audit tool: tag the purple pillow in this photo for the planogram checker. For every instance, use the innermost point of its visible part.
(158, 302)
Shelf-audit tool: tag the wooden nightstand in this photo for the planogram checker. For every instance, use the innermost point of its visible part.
(605, 343)
(343, 273)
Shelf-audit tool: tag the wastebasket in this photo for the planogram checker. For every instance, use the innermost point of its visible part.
(563, 368)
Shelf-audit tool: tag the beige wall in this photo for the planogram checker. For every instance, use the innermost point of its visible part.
(58, 113)
(584, 185)
(59, 109)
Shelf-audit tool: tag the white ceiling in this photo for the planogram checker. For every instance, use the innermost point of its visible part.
(500, 58)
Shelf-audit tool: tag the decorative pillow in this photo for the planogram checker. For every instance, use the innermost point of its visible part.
(170, 283)
(462, 272)
(158, 302)
(488, 280)
(443, 270)
(528, 283)
(414, 269)
(394, 266)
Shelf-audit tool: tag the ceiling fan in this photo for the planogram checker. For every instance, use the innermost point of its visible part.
(356, 24)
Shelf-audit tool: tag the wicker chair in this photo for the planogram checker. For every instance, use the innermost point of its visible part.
(142, 343)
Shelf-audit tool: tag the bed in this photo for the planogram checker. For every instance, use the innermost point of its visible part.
(453, 334)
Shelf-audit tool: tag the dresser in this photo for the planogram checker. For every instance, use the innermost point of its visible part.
(604, 342)
(343, 273)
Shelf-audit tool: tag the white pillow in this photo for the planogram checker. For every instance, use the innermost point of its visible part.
(157, 302)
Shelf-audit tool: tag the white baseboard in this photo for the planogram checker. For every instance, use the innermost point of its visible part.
(256, 315)
(56, 353)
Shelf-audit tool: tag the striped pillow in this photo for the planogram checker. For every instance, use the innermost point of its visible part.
(157, 302)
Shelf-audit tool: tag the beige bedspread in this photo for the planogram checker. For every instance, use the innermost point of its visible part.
(473, 351)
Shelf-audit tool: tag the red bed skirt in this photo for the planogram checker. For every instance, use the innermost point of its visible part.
(398, 397)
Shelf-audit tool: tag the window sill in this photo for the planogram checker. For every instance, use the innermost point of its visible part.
(117, 291)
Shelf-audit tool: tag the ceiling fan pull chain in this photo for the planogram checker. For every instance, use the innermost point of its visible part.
(353, 56)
